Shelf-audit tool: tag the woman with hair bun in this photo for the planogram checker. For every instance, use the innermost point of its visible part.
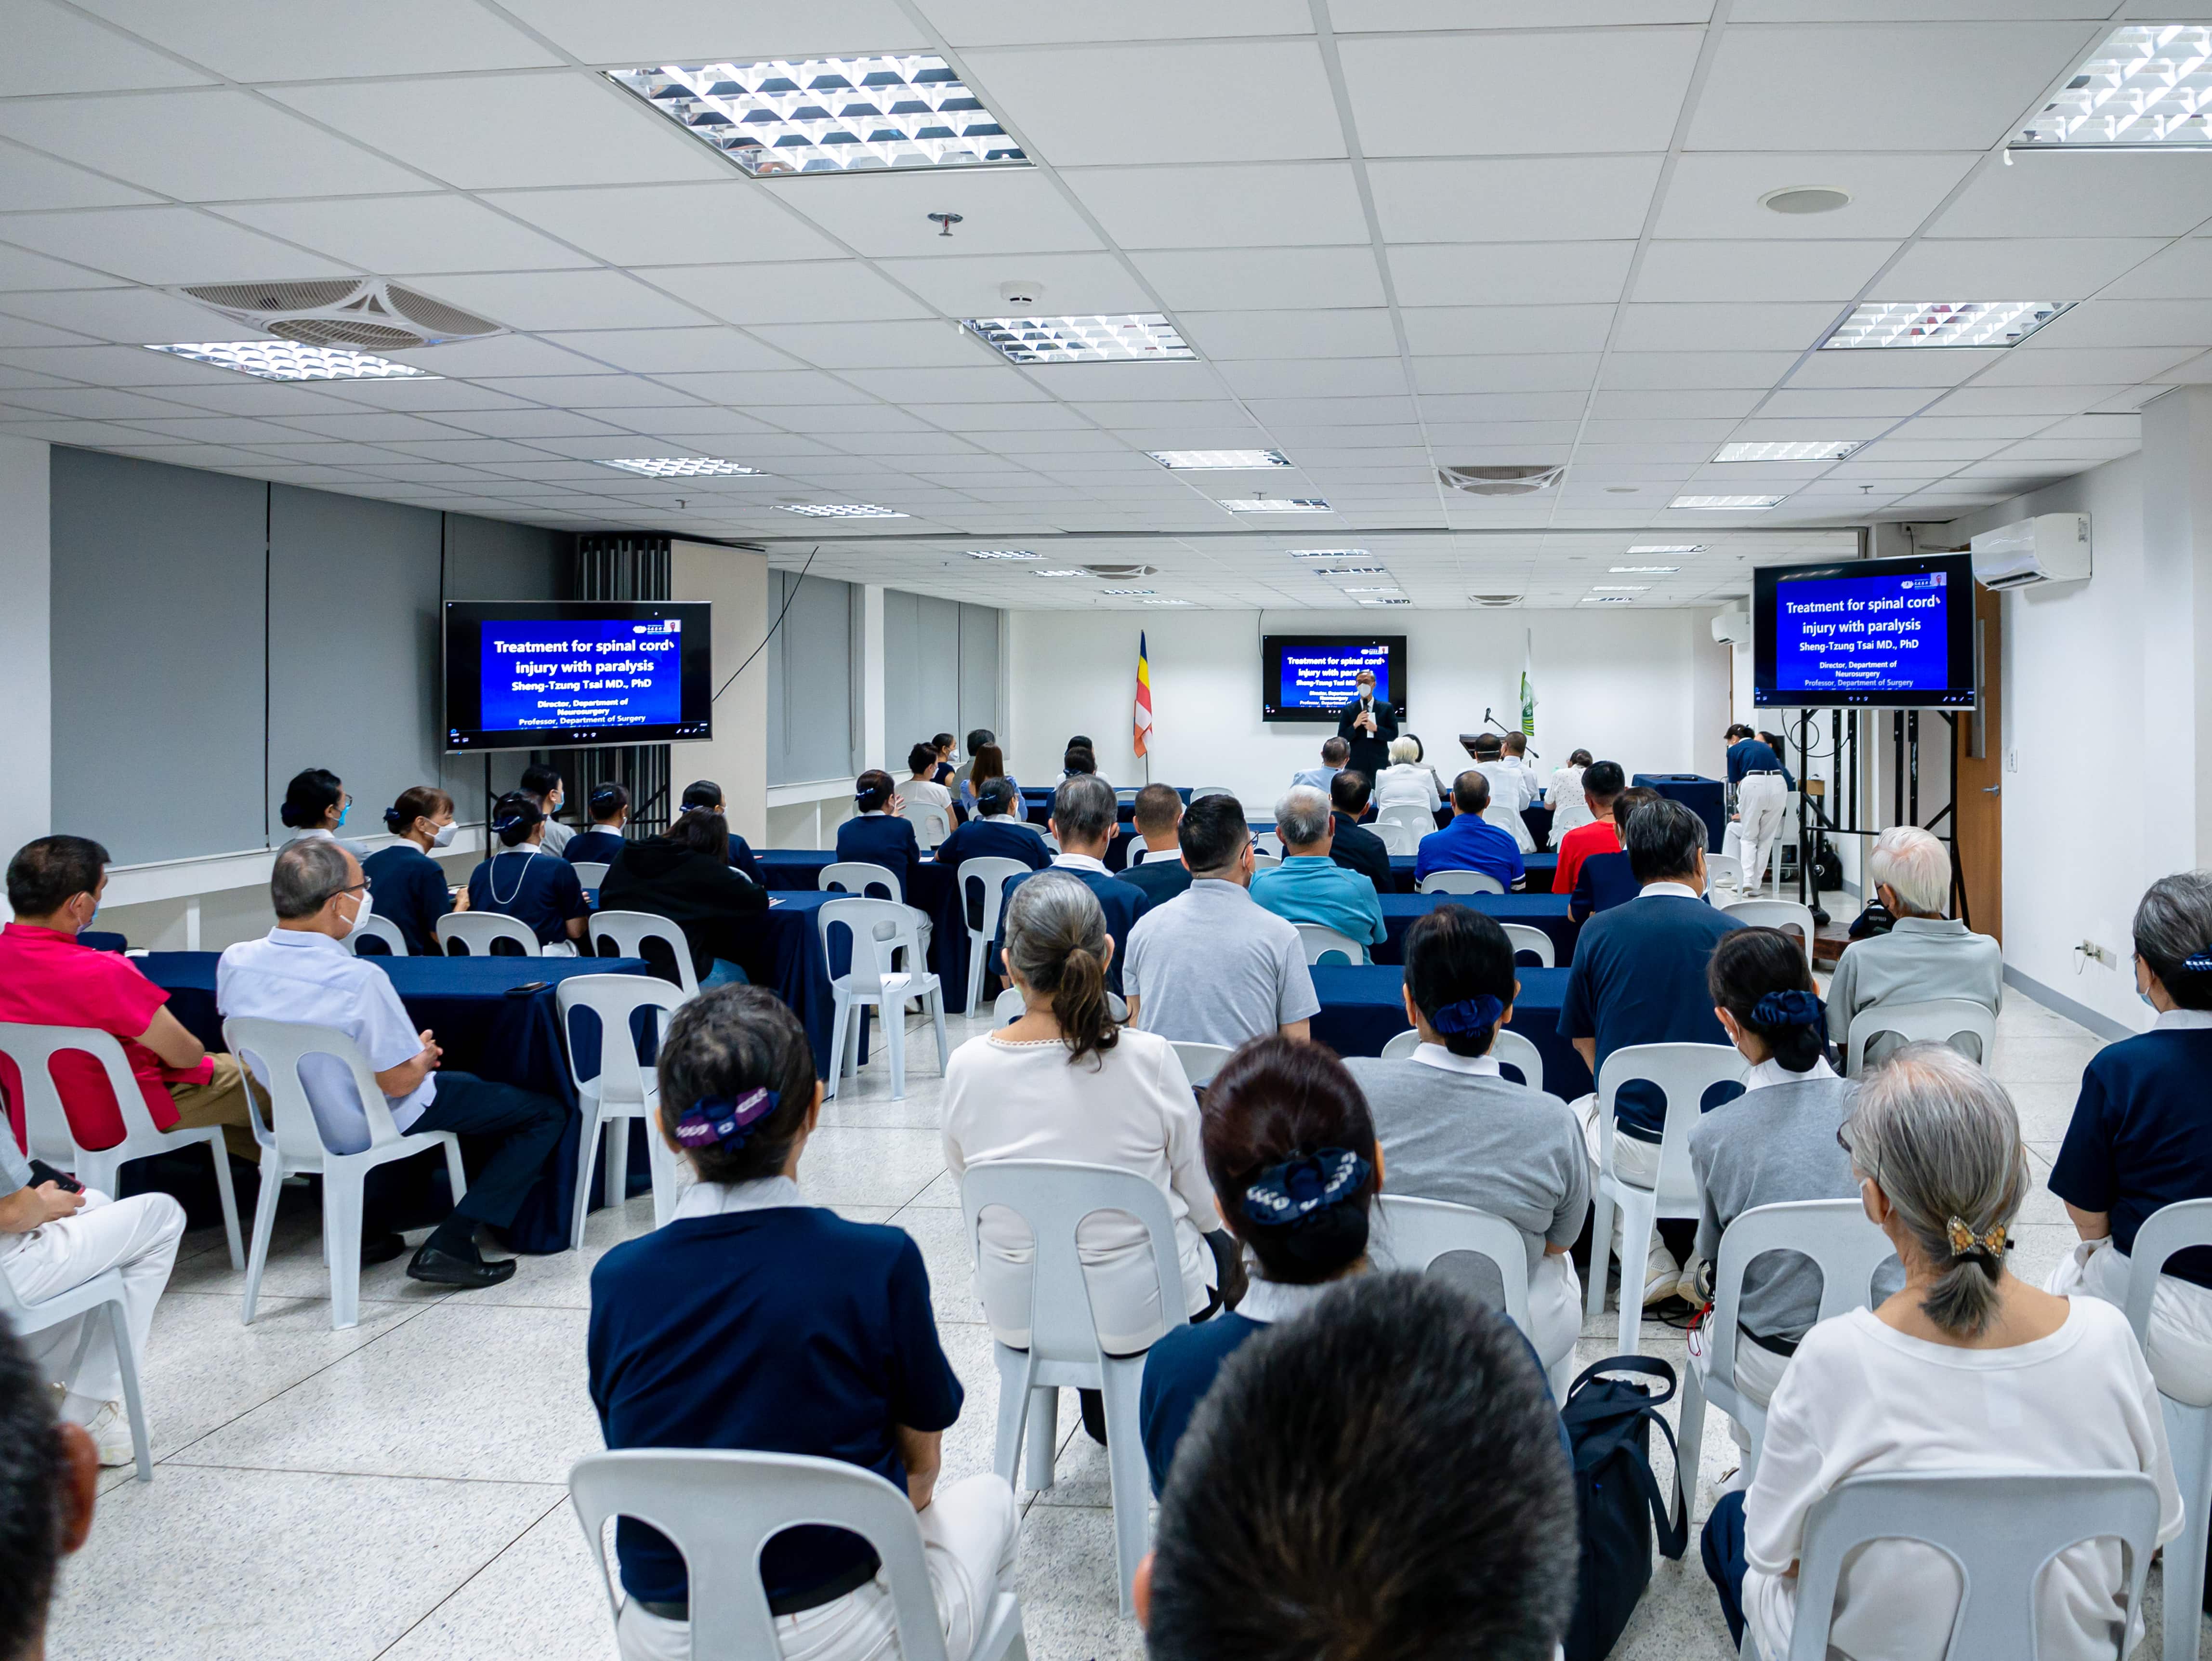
(521, 880)
(409, 886)
(315, 805)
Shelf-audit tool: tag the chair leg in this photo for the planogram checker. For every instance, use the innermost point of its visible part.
(1044, 1437)
(937, 1015)
(342, 1242)
(1013, 1398)
(2189, 1436)
(978, 949)
(895, 1042)
(457, 1175)
(1690, 1432)
(1600, 1254)
(264, 1221)
(1637, 1219)
(228, 1196)
(1126, 1475)
(587, 1152)
(614, 1134)
(837, 1024)
(134, 1403)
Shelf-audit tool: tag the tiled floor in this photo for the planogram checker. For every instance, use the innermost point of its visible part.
(396, 1491)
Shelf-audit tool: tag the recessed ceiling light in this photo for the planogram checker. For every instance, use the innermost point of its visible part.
(1386, 602)
(2147, 83)
(1620, 489)
(1826, 449)
(1328, 553)
(1216, 461)
(1747, 503)
(1002, 553)
(683, 467)
(1606, 599)
(1126, 594)
(1386, 588)
(1167, 602)
(1924, 323)
(1620, 587)
(1140, 336)
(1059, 573)
(1668, 548)
(1805, 198)
(1644, 570)
(839, 510)
(288, 360)
(1275, 505)
(886, 112)
(1327, 571)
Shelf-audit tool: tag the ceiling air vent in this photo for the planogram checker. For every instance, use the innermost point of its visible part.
(1501, 481)
(1495, 600)
(1122, 573)
(368, 313)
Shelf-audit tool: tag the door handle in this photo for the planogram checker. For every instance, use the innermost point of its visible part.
(1992, 789)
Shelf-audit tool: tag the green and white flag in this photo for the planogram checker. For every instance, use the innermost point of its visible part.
(1529, 684)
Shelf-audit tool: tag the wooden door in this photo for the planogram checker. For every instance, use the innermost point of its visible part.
(1978, 767)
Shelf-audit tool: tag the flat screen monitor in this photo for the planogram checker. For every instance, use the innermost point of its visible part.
(1309, 677)
(548, 674)
(1891, 634)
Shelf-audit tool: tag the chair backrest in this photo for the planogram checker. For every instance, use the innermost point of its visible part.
(45, 1122)
(2169, 1229)
(1524, 938)
(932, 825)
(1413, 1234)
(1266, 842)
(1200, 1061)
(280, 1048)
(1999, 1529)
(719, 1508)
(1834, 1234)
(1210, 790)
(1126, 793)
(469, 933)
(991, 875)
(879, 928)
(627, 933)
(1008, 1006)
(1266, 862)
(861, 877)
(1724, 871)
(614, 999)
(1459, 882)
(1396, 838)
(1507, 1047)
(1776, 914)
(1682, 1073)
(1321, 940)
(1946, 1020)
(378, 927)
(1411, 814)
(1052, 1197)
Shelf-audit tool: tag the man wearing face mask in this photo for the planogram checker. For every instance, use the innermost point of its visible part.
(1367, 724)
(408, 887)
(302, 971)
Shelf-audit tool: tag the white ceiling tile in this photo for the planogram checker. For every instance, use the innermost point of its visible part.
(1945, 368)
(564, 299)
(29, 181)
(727, 218)
(423, 395)
(1636, 405)
(2130, 323)
(1654, 370)
(161, 245)
(1984, 402)
(749, 388)
(1539, 93)
(1820, 401)
(94, 403)
(1717, 194)
(1321, 377)
(135, 316)
(1290, 277)
(693, 31)
(498, 355)
(1015, 396)
(1712, 327)
(1757, 271)
(842, 291)
(1510, 273)
(52, 49)
(597, 392)
(1066, 284)
(424, 233)
(2082, 194)
(1490, 407)
(21, 332)
(1366, 16)
(1543, 372)
(2055, 366)
(1448, 329)
(2043, 268)
(1026, 22)
(1521, 199)
(654, 352)
(1232, 335)
(872, 345)
(2183, 271)
(1251, 205)
(22, 270)
(279, 40)
(1004, 210)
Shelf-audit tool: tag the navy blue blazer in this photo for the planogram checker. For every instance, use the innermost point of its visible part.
(881, 839)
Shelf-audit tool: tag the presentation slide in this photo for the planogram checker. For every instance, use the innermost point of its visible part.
(1312, 677)
(1891, 632)
(537, 679)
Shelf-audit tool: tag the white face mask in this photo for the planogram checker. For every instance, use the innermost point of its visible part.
(444, 836)
(365, 907)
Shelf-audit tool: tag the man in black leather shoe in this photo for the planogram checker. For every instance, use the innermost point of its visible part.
(302, 971)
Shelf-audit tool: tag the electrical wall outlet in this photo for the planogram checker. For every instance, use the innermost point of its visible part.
(2103, 954)
(2012, 761)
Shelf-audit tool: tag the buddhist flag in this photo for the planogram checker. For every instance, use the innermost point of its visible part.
(1141, 718)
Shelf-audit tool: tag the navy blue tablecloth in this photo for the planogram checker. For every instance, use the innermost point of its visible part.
(1541, 868)
(799, 871)
(1362, 1009)
(1706, 797)
(1546, 911)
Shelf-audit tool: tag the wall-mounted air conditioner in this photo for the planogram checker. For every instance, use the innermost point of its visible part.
(1733, 626)
(2049, 548)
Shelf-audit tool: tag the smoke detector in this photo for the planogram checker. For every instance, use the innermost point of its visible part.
(365, 311)
(1122, 573)
(1501, 481)
(1021, 291)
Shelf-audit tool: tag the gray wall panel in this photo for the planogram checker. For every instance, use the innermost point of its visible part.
(810, 700)
(491, 559)
(979, 670)
(901, 675)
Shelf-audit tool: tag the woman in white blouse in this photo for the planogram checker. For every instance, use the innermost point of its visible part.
(1966, 1369)
(1404, 780)
(1564, 796)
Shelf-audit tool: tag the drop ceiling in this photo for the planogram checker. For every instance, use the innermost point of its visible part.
(1399, 236)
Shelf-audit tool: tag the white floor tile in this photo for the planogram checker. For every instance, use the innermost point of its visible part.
(535, 1599)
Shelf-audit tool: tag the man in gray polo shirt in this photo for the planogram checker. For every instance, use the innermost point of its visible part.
(1210, 966)
(1925, 956)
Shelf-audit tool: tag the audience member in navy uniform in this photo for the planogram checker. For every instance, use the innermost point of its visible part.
(877, 835)
(1357, 848)
(1161, 874)
(1084, 815)
(946, 749)
(609, 807)
(409, 886)
(523, 881)
(993, 834)
(1639, 978)
(685, 875)
(705, 793)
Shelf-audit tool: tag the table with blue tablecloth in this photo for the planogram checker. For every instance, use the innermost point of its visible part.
(1706, 797)
(799, 871)
(1546, 911)
(1540, 868)
(1363, 1009)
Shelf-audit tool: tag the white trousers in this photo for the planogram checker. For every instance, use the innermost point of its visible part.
(137, 1237)
(1760, 801)
(969, 1535)
(2180, 1333)
(1555, 1308)
(1758, 1375)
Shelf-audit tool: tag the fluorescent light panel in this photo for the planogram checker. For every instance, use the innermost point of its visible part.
(1275, 504)
(1386, 602)
(839, 510)
(683, 467)
(288, 360)
(1822, 449)
(1894, 324)
(1352, 571)
(1217, 461)
(1667, 548)
(1002, 553)
(888, 112)
(1644, 570)
(2147, 84)
(1128, 594)
(1134, 336)
(1388, 588)
(1167, 602)
(1059, 573)
(1606, 600)
(1730, 503)
(1620, 587)
(1330, 553)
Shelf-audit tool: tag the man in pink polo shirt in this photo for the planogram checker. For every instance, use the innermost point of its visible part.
(47, 979)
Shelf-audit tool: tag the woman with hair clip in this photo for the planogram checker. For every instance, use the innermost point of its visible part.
(1291, 1153)
(1564, 796)
(315, 805)
(1454, 1127)
(684, 874)
(754, 1321)
(521, 880)
(877, 835)
(408, 885)
(1966, 1368)
(609, 807)
(1064, 1082)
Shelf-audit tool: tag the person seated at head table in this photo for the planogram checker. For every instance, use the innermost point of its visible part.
(48, 1486)
(315, 805)
(922, 790)
(408, 888)
(1161, 874)
(1209, 966)
(47, 978)
(1084, 817)
(521, 880)
(1566, 796)
(609, 807)
(685, 875)
(1471, 842)
(1599, 789)
(1309, 886)
(1511, 788)
(947, 752)
(302, 973)
(684, 1317)
(1638, 977)
(1453, 1127)
(1290, 1151)
(1381, 1478)
(1355, 846)
(1966, 1368)
(542, 784)
(987, 763)
(705, 793)
(1334, 752)
(1405, 780)
(1925, 955)
(876, 835)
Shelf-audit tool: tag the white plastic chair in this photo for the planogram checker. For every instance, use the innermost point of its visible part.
(2188, 1429)
(1008, 1006)
(1725, 871)
(470, 933)
(1125, 795)
(1210, 790)
(1682, 1073)
(1946, 1020)
(857, 877)
(629, 931)
(50, 1137)
(102, 1290)
(1266, 862)
(991, 873)
(719, 1507)
(879, 928)
(378, 927)
(1409, 816)
(625, 1088)
(591, 873)
(1998, 1529)
(294, 1145)
(1200, 1061)
(1836, 1235)
(1785, 915)
(1053, 1198)
(1524, 938)
(1507, 1047)
(931, 825)
(1412, 1233)
(1396, 838)
(1319, 940)
(1266, 842)
(1459, 882)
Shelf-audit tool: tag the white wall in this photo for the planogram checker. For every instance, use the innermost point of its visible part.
(1628, 686)
(736, 758)
(26, 733)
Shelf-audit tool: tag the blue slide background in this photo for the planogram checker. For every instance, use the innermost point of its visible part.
(600, 674)
(1320, 678)
(1862, 634)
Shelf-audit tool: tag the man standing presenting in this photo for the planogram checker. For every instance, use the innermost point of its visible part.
(1762, 797)
(1367, 724)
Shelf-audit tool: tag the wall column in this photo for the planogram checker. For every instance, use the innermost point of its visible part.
(26, 734)
(736, 758)
(2177, 631)
(874, 736)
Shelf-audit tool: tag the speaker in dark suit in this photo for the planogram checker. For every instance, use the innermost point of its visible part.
(1368, 724)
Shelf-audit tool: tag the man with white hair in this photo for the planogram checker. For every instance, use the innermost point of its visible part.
(1310, 885)
(1925, 955)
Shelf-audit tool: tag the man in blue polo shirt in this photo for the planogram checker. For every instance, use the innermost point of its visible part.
(1083, 818)
(1468, 843)
(1310, 886)
(1639, 978)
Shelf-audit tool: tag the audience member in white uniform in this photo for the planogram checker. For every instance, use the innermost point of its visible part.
(1334, 752)
(1564, 796)
(1515, 745)
(1925, 955)
(315, 805)
(1512, 789)
(1966, 1368)
(1453, 1127)
(923, 790)
(542, 784)
(1404, 780)
(2137, 1141)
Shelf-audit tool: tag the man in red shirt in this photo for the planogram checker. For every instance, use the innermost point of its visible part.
(47, 979)
(1602, 783)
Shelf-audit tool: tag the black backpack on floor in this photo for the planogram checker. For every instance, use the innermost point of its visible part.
(1609, 1422)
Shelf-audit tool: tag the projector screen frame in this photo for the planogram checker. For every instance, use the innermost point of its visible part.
(1959, 629)
(1271, 647)
(696, 667)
